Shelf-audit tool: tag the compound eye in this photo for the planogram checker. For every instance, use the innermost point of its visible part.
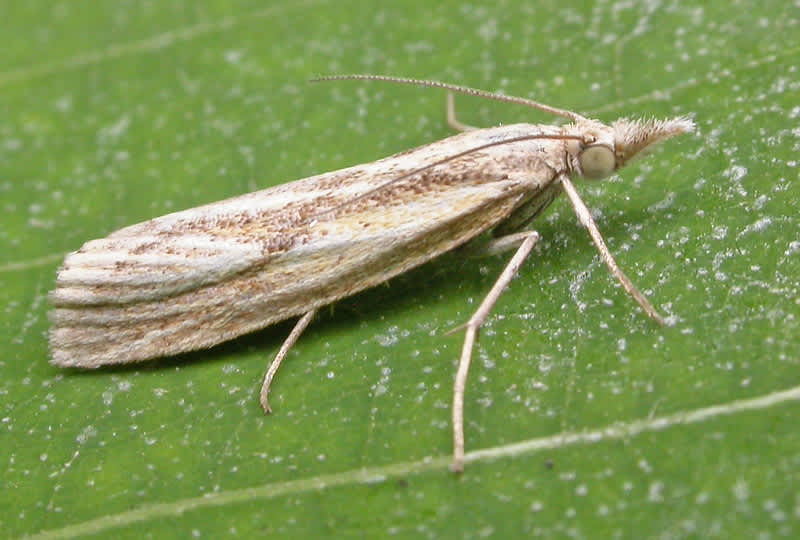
(597, 162)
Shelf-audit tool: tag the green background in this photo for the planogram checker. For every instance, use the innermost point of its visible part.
(114, 113)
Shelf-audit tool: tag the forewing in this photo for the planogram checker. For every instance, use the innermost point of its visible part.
(193, 279)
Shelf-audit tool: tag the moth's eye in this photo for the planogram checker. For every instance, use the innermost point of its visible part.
(597, 162)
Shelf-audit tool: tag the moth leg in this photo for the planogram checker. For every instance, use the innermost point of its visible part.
(505, 243)
(451, 116)
(587, 221)
(486, 248)
(294, 335)
(472, 326)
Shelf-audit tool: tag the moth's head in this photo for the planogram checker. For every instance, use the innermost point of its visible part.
(610, 148)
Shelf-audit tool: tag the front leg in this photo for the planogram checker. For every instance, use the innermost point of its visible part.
(451, 116)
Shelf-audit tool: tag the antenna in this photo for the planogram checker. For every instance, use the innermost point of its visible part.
(575, 117)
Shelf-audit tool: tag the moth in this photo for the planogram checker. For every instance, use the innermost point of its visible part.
(192, 279)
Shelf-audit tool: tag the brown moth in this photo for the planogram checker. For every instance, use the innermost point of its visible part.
(195, 278)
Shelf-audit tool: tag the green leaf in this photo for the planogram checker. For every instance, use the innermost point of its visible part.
(117, 113)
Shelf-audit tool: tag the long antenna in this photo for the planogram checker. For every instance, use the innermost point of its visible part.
(575, 117)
